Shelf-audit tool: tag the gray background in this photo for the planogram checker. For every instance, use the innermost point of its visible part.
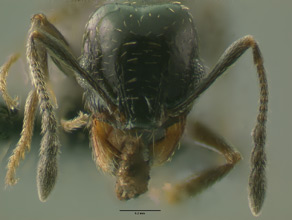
(229, 107)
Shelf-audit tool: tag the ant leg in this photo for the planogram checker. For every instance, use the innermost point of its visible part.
(198, 182)
(11, 103)
(78, 122)
(37, 59)
(45, 39)
(257, 179)
(24, 142)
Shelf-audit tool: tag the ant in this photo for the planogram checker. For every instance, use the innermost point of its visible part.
(141, 73)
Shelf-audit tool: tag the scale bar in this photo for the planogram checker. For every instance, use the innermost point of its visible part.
(140, 210)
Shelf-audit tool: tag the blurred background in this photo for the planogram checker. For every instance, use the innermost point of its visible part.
(229, 107)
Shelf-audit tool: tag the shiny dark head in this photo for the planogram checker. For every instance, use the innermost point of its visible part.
(145, 57)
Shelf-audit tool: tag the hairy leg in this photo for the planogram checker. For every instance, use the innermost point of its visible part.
(4, 69)
(78, 122)
(24, 142)
(257, 179)
(199, 182)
